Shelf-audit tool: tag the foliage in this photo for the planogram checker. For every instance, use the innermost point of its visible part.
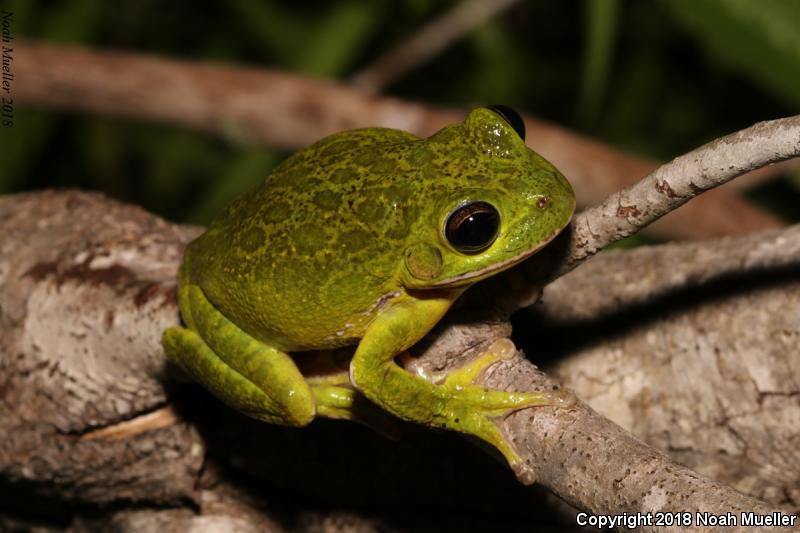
(654, 77)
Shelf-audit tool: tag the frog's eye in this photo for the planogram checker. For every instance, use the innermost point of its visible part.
(511, 117)
(472, 227)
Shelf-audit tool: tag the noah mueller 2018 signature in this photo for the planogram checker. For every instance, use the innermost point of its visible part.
(7, 102)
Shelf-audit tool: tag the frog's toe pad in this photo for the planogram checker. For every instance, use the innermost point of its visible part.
(500, 350)
(563, 398)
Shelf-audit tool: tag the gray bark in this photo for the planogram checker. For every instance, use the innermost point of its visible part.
(692, 348)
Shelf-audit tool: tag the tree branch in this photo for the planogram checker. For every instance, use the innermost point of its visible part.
(93, 287)
(684, 178)
(669, 268)
(669, 187)
(430, 40)
(694, 349)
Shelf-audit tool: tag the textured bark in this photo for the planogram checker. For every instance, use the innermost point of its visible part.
(682, 179)
(696, 350)
(91, 415)
(85, 291)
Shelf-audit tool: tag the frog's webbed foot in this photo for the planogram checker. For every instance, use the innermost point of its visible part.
(471, 408)
(460, 382)
(336, 398)
(456, 403)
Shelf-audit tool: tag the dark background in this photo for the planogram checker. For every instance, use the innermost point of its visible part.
(654, 77)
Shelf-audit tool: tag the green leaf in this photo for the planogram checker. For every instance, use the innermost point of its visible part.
(496, 63)
(324, 45)
(73, 21)
(249, 169)
(759, 39)
(271, 28)
(601, 33)
(337, 40)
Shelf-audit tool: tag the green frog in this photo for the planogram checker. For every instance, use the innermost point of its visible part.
(366, 238)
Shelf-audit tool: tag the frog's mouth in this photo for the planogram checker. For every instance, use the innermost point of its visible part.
(472, 277)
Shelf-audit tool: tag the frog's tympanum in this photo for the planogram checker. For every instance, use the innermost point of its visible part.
(366, 238)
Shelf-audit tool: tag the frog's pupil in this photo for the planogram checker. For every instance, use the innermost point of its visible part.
(511, 117)
(473, 227)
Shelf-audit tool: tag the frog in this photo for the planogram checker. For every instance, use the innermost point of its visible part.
(366, 239)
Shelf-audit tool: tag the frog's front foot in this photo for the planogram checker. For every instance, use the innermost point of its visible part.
(456, 403)
(471, 408)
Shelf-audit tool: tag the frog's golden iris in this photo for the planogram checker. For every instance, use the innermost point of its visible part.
(366, 238)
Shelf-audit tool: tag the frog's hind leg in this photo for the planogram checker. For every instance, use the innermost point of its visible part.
(334, 395)
(247, 374)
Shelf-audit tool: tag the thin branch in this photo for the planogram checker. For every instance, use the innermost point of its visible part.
(666, 189)
(160, 418)
(289, 111)
(427, 42)
(765, 175)
(682, 179)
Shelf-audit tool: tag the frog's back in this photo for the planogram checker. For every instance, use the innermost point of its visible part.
(301, 261)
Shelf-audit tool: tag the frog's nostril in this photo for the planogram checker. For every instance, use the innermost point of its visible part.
(542, 201)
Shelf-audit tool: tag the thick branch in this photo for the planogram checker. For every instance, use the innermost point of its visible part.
(86, 288)
(290, 111)
(595, 465)
(694, 349)
(634, 278)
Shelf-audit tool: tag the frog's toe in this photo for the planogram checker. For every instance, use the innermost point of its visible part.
(341, 401)
(471, 408)
(501, 349)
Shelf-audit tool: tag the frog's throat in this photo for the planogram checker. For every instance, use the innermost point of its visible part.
(472, 277)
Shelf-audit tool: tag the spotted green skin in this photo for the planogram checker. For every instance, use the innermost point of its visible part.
(343, 244)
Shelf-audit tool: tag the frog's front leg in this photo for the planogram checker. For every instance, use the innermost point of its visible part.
(456, 403)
